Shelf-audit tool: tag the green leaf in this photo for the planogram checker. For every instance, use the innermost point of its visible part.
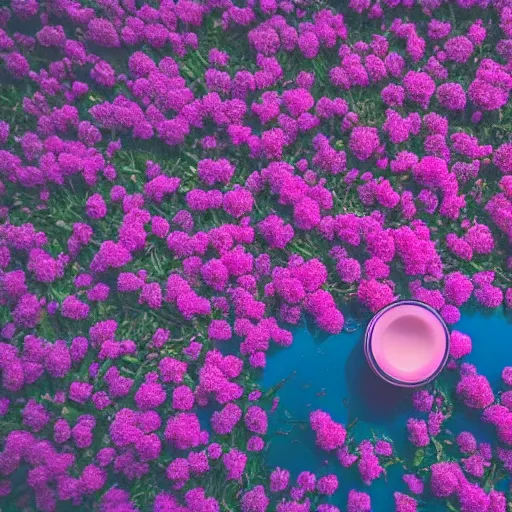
(130, 359)
(489, 481)
(418, 457)
(439, 449)
(70, 413)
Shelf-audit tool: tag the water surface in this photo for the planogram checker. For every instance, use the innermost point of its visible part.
(331, 374)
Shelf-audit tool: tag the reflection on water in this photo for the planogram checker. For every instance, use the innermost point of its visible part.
(331, 373)
(352, 325)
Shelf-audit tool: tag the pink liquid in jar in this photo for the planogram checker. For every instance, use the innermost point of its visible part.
(407, 343)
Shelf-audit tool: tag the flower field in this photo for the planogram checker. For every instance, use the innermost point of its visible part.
(184, 184)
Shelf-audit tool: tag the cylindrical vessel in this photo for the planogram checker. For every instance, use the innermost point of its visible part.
(407, 343)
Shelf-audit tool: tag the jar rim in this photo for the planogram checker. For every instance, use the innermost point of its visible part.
(375, 366)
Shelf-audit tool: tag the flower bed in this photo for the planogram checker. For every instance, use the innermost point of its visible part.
(182, 182)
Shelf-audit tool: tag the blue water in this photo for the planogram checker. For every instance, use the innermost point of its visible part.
(332, 374)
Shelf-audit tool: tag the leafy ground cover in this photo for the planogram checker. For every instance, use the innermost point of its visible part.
(182, 181)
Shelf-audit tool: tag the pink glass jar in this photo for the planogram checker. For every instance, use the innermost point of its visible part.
(407, 343)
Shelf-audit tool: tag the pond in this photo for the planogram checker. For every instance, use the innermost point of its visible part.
(332, 374)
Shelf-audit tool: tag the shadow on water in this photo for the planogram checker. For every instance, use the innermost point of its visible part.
(371, 399)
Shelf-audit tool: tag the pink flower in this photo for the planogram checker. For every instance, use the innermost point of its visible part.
(327, 485)
(298, 101)
(419, 87)
(457, 288)
(384, 448)
(364, 142)
(404, 503)
(414, 483)
(178, 470)
(183, 431)
(150, 395)
(368, 465)
(256, 420)
(423, 401)
(506, 375)
(358, 502)
(100, 31)
(329, 434)
(279, 479)
(460, 344)
(234, 461)
(375, 295)
(255, 500)
(255, 444)
(418, 434)
(74, 309)
(458, 49)
(225, 420)
(446, 479)
(80, 392)
(475, 391)
(309, 44)
(451, 96)
(172, 370)
(345, 457)
(35, 416)
(502, 157)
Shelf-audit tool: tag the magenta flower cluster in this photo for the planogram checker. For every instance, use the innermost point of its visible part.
(171, 209)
